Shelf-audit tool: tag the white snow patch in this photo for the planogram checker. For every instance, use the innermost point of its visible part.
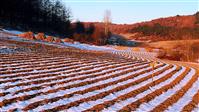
(77, 97)
(196, 109)
(13, 31)
(88, 47)
(185, 99)
(115, 107)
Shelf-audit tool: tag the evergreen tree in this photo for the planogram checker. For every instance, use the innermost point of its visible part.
(36, 15)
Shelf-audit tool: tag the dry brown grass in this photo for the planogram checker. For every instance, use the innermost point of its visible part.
(179, 50)
(68, 40)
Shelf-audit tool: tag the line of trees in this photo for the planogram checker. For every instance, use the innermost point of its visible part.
(49, 16)
(90, 33)
(197, 17)
(166, 31)
(156, 29)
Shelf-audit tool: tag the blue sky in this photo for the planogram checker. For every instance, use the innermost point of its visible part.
(129, 11)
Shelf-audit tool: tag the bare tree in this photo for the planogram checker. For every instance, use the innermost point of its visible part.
(107, 21)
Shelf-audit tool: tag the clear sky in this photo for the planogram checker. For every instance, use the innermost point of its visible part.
(129, 11)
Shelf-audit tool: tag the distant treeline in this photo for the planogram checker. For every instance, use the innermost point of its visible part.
(36, 15)
(173, 28)
(48, 16)
(90, 33)
(169, 32)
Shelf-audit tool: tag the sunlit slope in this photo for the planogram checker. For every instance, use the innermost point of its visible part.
(50, 78)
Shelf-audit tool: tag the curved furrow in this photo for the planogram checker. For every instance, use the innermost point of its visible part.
(61, 76)
(37, 63)
(108, 90)
(193, 104)
(78, 76)
(18, 89)
(72, 80)
(59, 65)
(139, 90)
(78, 84)
(191, 80)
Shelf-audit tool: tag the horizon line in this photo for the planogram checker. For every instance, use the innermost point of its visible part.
(138, 21)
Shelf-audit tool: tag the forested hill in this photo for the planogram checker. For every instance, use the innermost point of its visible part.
(168, 28)
(49, 16)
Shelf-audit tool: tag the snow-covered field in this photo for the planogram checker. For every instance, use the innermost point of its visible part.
(108, 81)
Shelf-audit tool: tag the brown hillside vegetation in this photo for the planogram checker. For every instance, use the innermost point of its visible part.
(180, 50)
(170, 28)
(175, 21)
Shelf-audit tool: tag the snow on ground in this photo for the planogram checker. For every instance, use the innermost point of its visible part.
(75, 45)
(116, 94)
(6, 50)
(164, 96)
(9, 50)
(77, 97)
(118, 105)
(74, 89)
(196, 109)
(88, 47)
(65, 44)
(13, 31)
(185, 99)
(18, 87)
(142, 54)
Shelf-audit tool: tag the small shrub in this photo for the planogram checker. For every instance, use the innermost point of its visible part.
(161, 54)
(171, 55)
(77, 36)
(58, 40)
(68, 40)
(49, 39)
(40, 36)
(27, 35)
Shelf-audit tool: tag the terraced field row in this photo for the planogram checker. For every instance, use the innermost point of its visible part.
(75, 81)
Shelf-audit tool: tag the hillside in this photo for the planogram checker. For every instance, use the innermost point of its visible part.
(168, 28)
(175, 21)
(41, 76)
(51, 17)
